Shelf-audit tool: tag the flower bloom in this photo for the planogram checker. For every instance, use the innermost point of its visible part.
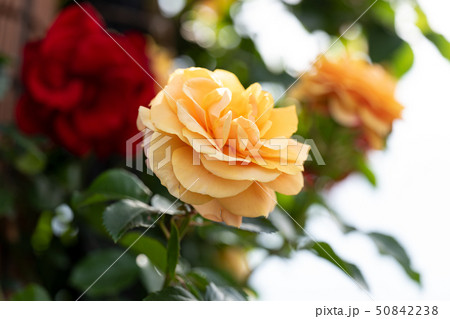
(355, 93)
(220, 147)
(80, 88)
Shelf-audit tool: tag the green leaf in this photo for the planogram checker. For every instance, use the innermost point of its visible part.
(32, 161)
(43, 234)
(171, 294)
(422, 20)
(121, 275)
(152, 248)
(388, 245)
(384, 14)
(24, 153)
(173, 252)
(32, 292)
(209, 275)
(6, 202)
(127, 214)
(366, 171)
(199, 280)
(165, 205)
(383, 42)
(402, 60)
(114, 185)
(257, 225)
(325, 251)
(214, 293)
(441, 43)
(284, 224)
(151, 278)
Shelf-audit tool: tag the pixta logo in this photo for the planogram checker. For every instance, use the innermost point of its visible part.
(156, 147)
(153, 145)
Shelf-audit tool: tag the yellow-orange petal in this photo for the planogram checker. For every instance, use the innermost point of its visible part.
(203, 146)
(199, 180)
(239, 171)
(284, 122)
(287, 184)
(257, 200)
(190, 197)
(212, 210)
(216, 101)
(229, 80)
(381, 127)
(290, 168)
(341, 115)
(144, 119)
(261, 103)
(284, 151)
(231, 219)
(221, 128)
(159, 151)
(164, 119)
(188, 120)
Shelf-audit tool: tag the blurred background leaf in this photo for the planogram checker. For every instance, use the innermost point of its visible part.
(89, 269)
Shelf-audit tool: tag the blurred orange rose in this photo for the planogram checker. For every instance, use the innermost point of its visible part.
(220, 147)
(355, 93)
(234, 261)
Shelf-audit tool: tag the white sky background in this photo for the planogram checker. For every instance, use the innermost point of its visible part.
(411, 201)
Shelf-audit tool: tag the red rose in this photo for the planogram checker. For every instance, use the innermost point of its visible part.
(80, 88)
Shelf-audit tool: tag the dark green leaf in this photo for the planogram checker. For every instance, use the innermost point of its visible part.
(171, 294)
(257, 225)
(325, 251)
(6, 202)
(121, 275)
(32, 292)
(383, 43)
(125, 215)
(214, 293)
(114, 185)
(173, 251)
(388, 245)
(153, 249)
(32, 161)
(209, 275)
(198, 279)
(25, 156)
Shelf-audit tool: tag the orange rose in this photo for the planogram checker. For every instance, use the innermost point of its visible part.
(356, 94)
(220, 147)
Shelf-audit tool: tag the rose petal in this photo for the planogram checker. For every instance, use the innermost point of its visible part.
(159, 151)
(287, 184)
(284, 122)
(144, 119)
(199, 180)
(239, 171)
(257, 200)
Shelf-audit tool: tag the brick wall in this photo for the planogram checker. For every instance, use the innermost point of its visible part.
(20, 21)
